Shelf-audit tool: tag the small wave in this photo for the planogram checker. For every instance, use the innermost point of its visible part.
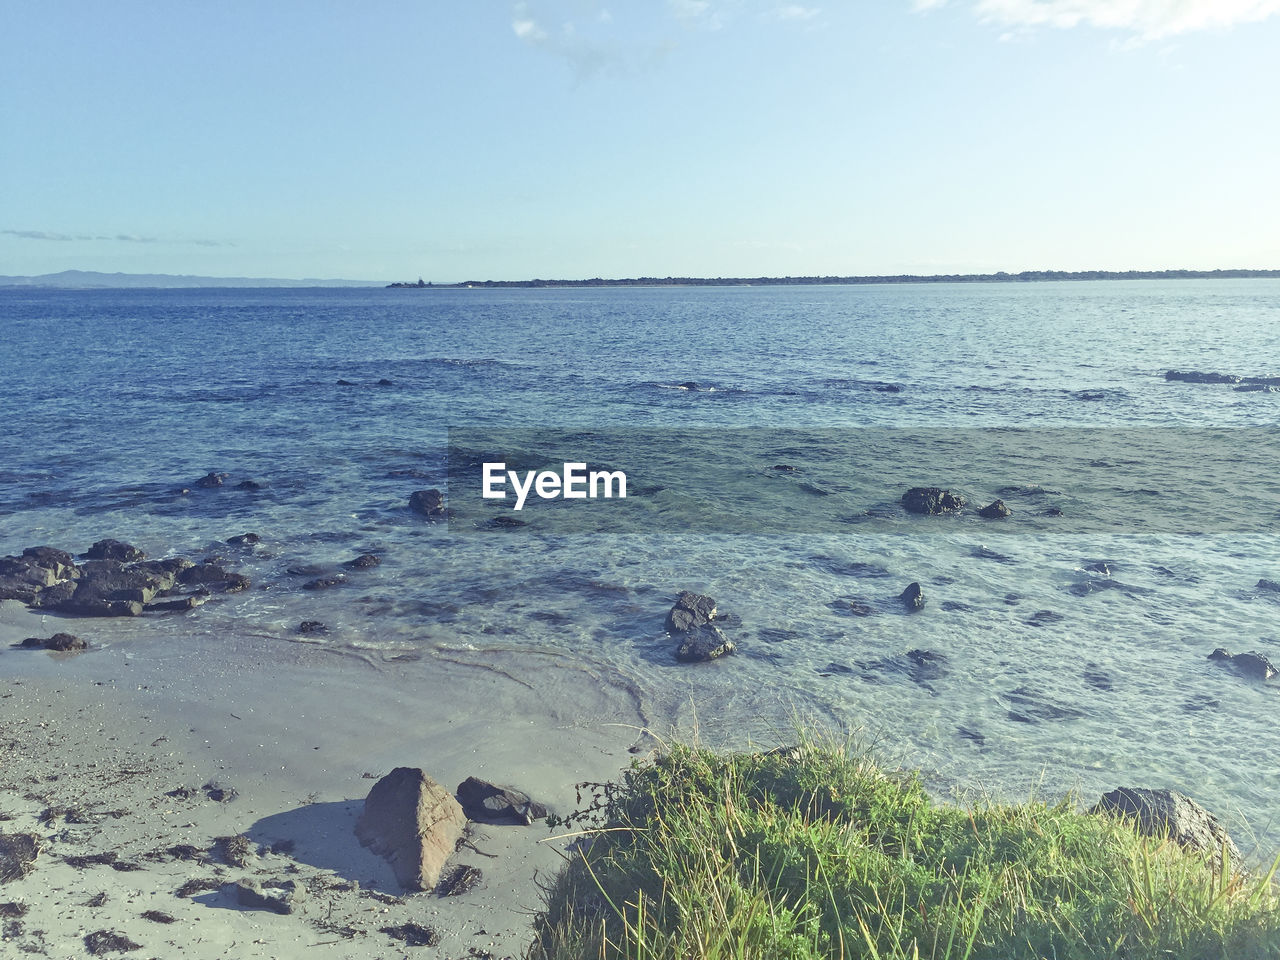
(849, 383)
(692, 386)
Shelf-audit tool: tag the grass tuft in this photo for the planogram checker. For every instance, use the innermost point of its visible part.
(819, 852)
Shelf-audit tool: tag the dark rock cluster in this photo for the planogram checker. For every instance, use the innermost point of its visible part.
(111, 579)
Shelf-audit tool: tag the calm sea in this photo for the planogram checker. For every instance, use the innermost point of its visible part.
(1042, 662)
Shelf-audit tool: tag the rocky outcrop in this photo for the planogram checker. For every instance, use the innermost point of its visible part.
(1168, 813)
(428, 503)
(1255, 666)
(996, 510)
(414, 823)
(363, 562)
(114, 550)
(114, 581)
(931, 501)
(486, 802)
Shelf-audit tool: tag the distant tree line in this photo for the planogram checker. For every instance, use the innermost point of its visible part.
(1026, 276)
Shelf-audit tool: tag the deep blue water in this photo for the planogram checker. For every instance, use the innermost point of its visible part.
(114, 401)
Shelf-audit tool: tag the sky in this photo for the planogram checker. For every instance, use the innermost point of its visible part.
(490, 139)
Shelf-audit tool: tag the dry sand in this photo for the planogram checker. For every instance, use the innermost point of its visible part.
(116, 754)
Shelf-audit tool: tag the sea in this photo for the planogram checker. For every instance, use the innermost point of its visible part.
(1060, 651)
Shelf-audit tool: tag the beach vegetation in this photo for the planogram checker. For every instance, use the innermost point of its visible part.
(818, 851)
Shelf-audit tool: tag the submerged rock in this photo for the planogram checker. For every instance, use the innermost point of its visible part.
(414, 823)
(210, 480)
(323, 583)
(1168, 813)
(180, 605)
(931, 500)
(428, 503)
(1032, 707)
(702, 643)
(486, 802)
(364, 562)
(1195, 376)
(1255, 666)
(921, 667)
(851, 607)
(244, 540)
(996, 510)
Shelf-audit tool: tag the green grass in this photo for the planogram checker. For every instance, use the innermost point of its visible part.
(824, 854)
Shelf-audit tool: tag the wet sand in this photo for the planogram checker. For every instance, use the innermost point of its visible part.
(118, 754)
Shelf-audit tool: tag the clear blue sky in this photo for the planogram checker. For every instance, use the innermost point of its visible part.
(472, 139)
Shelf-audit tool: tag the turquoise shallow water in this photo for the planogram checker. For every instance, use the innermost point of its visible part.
(1043, 669)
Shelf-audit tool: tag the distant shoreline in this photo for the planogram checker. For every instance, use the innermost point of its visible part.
(1026, 276)
(87, 280)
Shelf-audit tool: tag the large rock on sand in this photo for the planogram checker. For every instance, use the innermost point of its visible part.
(414, 823)
(487, 802)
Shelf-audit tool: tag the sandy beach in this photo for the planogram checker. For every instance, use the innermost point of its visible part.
(130, 759)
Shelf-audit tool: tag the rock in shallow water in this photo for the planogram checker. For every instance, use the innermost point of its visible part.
(428, 503)
(913, 597)
(1252, 665)
(690, 610)
(59, 641)
(996, 510)
(931, 500)
(706, 642)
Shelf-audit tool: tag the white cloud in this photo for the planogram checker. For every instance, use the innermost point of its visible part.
(525, 26)
(1148, 18)
(119, 238)
(793, 11)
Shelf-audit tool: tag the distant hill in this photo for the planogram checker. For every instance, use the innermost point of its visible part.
(89, 280)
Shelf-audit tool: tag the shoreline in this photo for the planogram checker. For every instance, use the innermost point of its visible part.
(119, 750)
